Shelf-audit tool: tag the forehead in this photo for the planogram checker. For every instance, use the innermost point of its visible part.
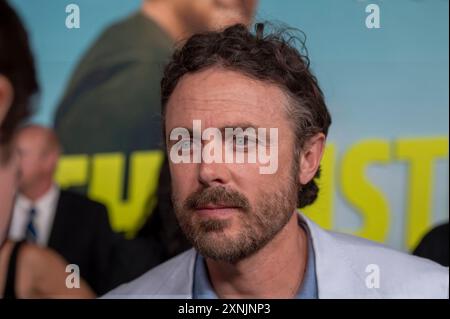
(30, 138)
(218, 96)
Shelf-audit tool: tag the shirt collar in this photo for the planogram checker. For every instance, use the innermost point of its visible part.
(202, 288)
(43, 201)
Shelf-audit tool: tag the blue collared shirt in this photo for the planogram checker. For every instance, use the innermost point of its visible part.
(203, 290)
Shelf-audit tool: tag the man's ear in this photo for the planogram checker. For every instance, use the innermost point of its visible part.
(6, 97)
(310, 157)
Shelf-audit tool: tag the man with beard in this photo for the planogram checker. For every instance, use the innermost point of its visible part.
(249, 239)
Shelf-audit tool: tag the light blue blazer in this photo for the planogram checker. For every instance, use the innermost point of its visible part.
(346, 267)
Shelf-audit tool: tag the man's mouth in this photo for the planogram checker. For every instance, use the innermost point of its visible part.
(216, 210)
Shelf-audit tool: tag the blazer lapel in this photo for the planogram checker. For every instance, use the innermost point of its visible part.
(56, 233)
(338, 275)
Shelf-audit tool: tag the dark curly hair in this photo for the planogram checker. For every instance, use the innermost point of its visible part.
(16, 64)
(271, 58)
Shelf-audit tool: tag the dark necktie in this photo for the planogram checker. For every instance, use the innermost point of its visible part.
(31, 231)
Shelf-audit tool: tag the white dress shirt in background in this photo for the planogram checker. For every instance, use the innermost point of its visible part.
(43, 221)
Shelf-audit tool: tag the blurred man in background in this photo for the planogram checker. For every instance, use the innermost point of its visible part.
(112, 102)
(71, 224)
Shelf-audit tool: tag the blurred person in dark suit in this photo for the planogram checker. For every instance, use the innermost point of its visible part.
(116, 87)
(434, 245)
(73, 225)
(26, 270)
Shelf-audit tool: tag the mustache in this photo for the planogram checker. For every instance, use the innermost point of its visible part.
(218, 195)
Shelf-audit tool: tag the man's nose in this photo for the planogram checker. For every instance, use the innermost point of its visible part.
(213, 173)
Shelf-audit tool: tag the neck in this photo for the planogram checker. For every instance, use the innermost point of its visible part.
(275, 271)
(164, 15)
(37, 191)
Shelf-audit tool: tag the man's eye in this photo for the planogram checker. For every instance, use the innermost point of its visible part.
(186, 145)
(240, 141)
(243, 143)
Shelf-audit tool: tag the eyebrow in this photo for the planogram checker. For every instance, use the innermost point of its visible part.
(243, 125)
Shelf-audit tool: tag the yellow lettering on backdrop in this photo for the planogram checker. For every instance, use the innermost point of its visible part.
(369, 201)
(321, 212)
(72, 171)
(420, 153)
(107, 181)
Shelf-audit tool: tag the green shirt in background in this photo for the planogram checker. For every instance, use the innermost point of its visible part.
(112, 102)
